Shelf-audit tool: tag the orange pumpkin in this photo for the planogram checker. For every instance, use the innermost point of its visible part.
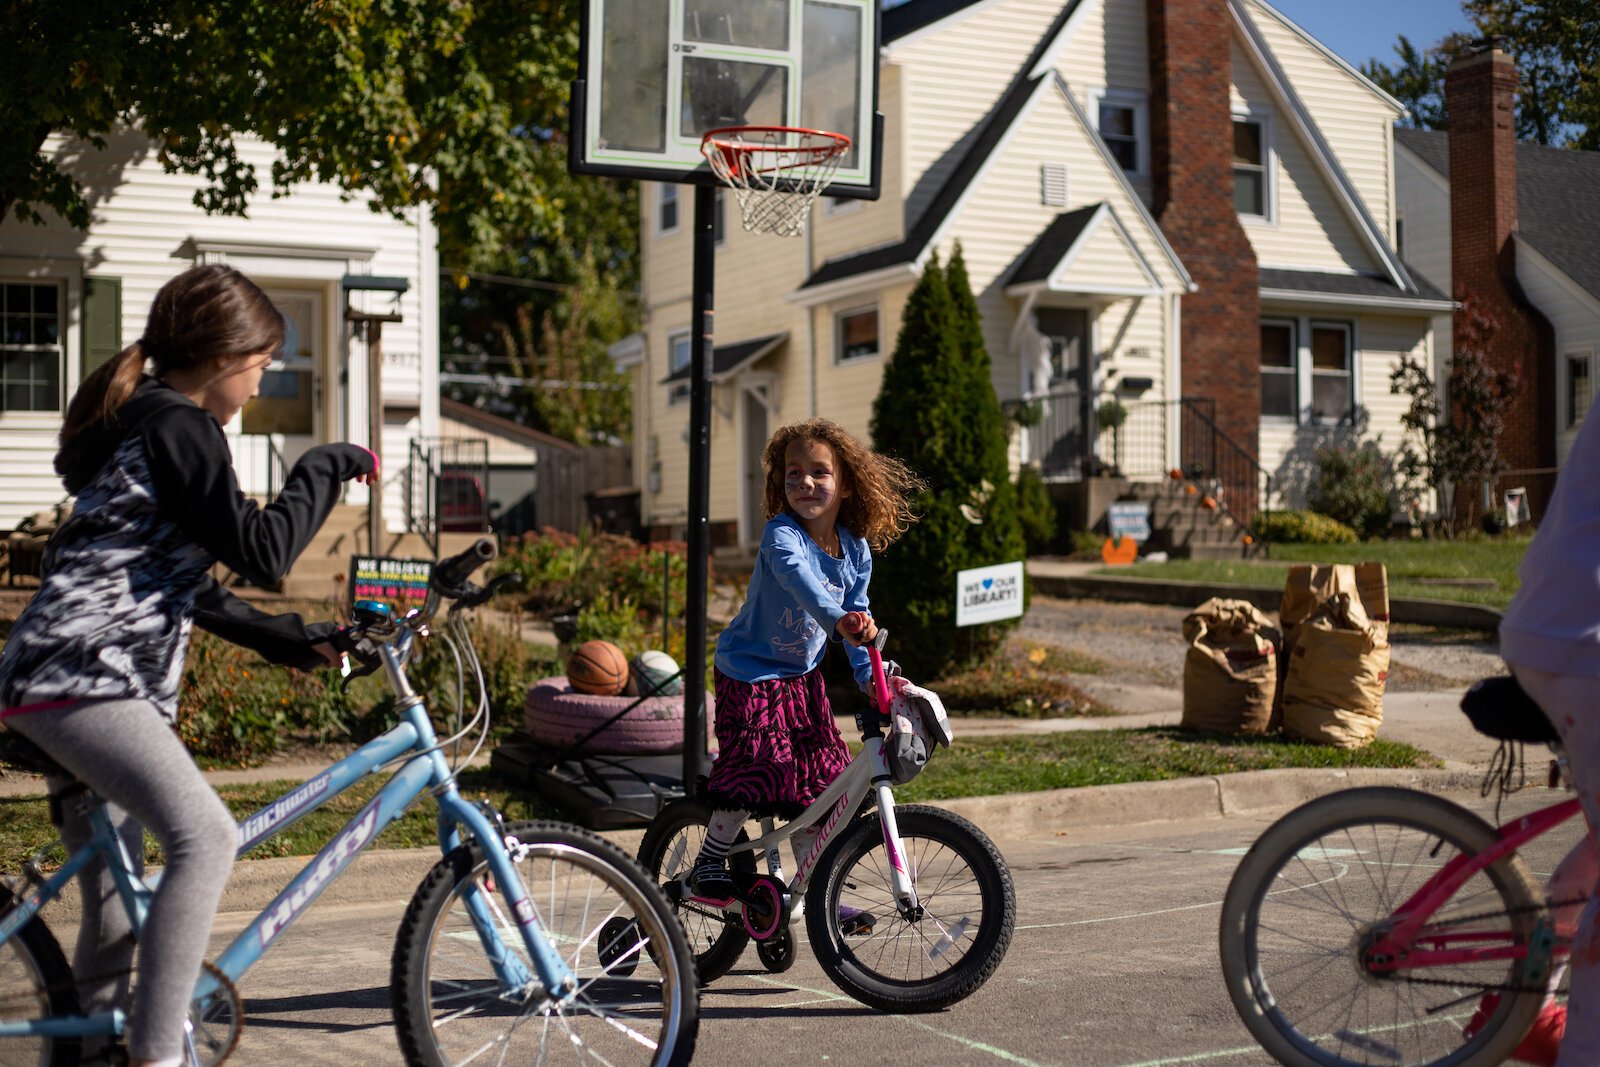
(1118, 551)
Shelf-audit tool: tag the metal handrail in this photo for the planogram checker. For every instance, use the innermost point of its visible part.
(1244, 488)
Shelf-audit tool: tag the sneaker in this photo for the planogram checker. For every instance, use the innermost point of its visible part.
(709, 878)
(853, 922)
(1544, 1038)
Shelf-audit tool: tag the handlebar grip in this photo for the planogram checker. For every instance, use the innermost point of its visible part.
(449, 575)
(854, 622)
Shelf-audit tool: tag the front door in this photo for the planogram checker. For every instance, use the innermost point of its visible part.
(1064, 369)
(285, 419)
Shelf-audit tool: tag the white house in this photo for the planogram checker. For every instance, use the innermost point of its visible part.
(1187, 206)
(72, 299)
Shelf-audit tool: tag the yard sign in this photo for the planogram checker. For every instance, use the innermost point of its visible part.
(989, 594)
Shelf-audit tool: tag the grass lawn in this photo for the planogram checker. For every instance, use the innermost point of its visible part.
(981, 766)
(1406, 561)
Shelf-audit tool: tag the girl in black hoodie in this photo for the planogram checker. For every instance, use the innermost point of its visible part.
(90, 671)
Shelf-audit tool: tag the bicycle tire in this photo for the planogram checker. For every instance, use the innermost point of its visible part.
(33, 971)
(449, 1008)
(935, 841)
(1397, 838)
(670, 845)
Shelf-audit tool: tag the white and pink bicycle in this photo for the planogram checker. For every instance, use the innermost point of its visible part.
(908, 909)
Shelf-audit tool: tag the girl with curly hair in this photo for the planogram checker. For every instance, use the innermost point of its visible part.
(831, 502)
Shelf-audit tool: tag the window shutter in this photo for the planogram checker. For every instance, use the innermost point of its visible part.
(102, 322)
(1053, 184)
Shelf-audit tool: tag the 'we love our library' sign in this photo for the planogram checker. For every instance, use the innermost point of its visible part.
(989, 594)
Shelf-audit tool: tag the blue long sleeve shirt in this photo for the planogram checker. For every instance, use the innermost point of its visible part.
(798, 593)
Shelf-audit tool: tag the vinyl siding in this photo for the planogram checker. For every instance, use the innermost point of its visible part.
(1423, 201)
(144, 224)
(1309, 227)
(951, 79)
(1106, 260)
(1354, 119)
(1575, 318)
(861, 224)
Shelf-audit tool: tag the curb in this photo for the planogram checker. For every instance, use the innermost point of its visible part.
(1422, 611)
(393, 874)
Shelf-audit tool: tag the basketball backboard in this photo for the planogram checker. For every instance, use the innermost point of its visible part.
(655, 75)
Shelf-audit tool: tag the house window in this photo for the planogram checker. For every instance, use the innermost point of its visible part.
(719, 219)
(858, 334)
(677, 360)
(1250, 167)
(1332, 392)
(30, 347)
(838, 205)
(1122, 121)
(1278, 387)
(1580, 390)
(667, 210)
(1053, 184)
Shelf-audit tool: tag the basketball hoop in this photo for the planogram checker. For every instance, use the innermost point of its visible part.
(777, 172)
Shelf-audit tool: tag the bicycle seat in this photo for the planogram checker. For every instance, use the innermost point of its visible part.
(1502, 709)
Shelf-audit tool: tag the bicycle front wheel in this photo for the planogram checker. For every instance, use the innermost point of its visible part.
(1325, 881)
(35, 983)
(637, 1000)
(926, 961)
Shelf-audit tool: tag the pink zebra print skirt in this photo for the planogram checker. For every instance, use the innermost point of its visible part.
(778, 745)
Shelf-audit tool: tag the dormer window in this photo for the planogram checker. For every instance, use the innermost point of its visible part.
(1123, 117)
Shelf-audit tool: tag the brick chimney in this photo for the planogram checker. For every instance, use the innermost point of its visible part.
(1191, 158)
(1480, 95)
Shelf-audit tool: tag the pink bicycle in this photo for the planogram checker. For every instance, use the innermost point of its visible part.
(1368, 926)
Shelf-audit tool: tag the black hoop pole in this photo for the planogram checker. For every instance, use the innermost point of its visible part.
(699, 533)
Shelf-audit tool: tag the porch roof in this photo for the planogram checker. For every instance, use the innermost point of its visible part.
(728, 360)
(1351, 289)
(1085, 251)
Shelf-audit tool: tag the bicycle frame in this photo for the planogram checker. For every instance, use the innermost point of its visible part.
(843, 797)
(1398, 949)
(425, 770)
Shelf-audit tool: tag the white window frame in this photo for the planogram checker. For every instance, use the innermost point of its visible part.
(1352, 353)
(1568, 357)
(839, 205)
(69, 296)
(1138, 102)
(839, 358)
(667, 193)
(1269, 167)
(678, 392)
(1295, 362)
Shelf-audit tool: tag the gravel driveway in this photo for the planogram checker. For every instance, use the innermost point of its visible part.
(1142, 649)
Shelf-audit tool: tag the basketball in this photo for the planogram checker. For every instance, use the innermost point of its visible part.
(648, 675)
(598, 668)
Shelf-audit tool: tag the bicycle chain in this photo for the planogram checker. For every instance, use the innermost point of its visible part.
(1503, 987)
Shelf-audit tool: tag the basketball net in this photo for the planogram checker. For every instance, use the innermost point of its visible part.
(776, 172)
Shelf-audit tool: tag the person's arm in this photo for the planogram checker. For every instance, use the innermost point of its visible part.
(855, 599)
(788, 550)
(195, 485)
(287, 639)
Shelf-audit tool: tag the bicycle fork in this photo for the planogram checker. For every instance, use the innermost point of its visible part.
(900, 877)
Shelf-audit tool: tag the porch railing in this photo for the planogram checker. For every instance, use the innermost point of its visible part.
(446, 487)
(259, 465)
(1083, 434)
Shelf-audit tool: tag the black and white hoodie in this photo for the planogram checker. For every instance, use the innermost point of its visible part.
(127, 574)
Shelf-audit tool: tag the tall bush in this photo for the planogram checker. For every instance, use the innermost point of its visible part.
(1036, 510)
(937, 411)
(1353, 487)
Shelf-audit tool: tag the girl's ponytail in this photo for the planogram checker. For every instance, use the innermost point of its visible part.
(103, 392)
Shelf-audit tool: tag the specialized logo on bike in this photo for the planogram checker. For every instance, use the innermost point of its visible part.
(839, 811)
(334, 858)
(266, 821)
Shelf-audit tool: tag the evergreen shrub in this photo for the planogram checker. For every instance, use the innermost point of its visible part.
(1353, 487)
(937, 411)
(1036, 510)
(1301, 528)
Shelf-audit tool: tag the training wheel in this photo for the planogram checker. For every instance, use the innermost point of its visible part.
(619, 946)
(777, 952)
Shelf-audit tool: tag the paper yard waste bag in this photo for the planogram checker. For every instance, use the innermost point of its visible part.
(1333, 692)
(1308, 587)
(1230, 672)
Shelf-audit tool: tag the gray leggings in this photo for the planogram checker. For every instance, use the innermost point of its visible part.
(128, 754)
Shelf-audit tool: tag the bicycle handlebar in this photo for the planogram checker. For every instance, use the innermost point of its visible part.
(449, 575)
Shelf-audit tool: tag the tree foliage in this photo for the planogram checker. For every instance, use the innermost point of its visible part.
(1456, 444)
(453, 103)
(1556, 44)
(937, 411)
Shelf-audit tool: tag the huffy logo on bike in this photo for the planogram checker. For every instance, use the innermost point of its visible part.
(333, 860)
(987, 594)
(266, 821)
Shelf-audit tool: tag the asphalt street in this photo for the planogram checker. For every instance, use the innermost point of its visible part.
(1113, 963)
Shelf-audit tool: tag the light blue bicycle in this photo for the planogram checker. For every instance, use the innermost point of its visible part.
(528, 943)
